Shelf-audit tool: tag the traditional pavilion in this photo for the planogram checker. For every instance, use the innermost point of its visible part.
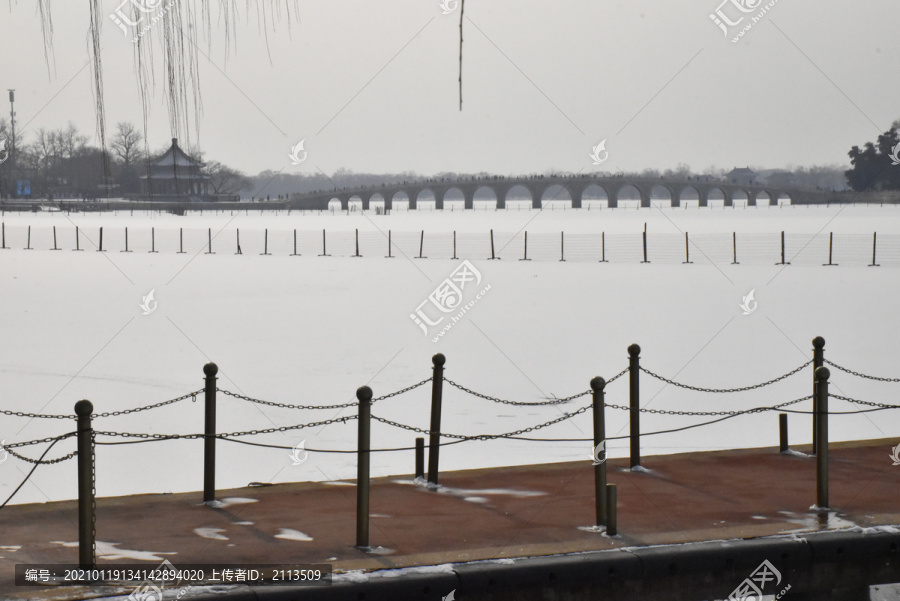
(741, 175)
(176, 173)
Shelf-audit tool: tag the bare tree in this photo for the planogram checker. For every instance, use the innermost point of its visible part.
(126, 144)
(224, 179)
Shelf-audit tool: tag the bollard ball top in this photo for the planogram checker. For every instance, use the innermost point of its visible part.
(634, 349)
(822, 373)
(439, 360)
(598, 384)
(818, 342)
(84, 408)
(364, 393)
(210, 369)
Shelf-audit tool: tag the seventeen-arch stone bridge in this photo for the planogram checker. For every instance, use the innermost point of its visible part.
(542, 189)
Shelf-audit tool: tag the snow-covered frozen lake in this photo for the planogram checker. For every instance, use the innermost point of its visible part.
(310, 330)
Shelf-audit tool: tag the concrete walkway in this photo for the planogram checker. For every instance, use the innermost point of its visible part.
(477, 514)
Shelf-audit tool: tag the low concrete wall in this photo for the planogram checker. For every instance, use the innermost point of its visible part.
(838, 566)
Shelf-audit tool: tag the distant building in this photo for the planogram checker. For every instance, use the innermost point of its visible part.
(743, 176)
(176, 174)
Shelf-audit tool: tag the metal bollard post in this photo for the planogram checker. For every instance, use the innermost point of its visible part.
(599, 451)
(687, 250)
(421, 245)
(644, 236)
(209, 250)
(493, 256)
(86, 542)
(434, 436)
(818, 361)
(180, 241)
(603, 247)
(822, 375)
(152, 239)
(266, 252)
(562, 246)
(324, 252)
(525, 256)
(209, 435)
(454, 244)
(55, 247)
(783, 432)
(101, 241)
(874, 240)
(237, 241)
(420, 458)
(389, 255)
(734, 260)
(634, 401)
(612, 517)
(830, 248)
(364, 396)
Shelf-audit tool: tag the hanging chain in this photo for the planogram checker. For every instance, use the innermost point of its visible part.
(860, 375)
(724, 390)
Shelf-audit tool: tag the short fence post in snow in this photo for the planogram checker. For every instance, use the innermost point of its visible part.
(86, 542)
(126, 242)
(209, 250)
(55, 247)
(153, 239)
(603, 247)
(562, 246)
(209, 434)
(874, 240)
(612, 517)
(180, 241)
(266, 244)
(101, 241)
(237, 241)
(389, 255)
(645, 244)
(324, 252)
(822, 374)
(830, 247)
(734, 260)
(294, 254)
(364, 396)
(421, 245)
(454, 244)
(357, 243)
(818, 361)
(783, 262)
(782, 432)
(434, 432)
(420, 458)
(599, 451)
(77, 240)
(525, 257)
(493, 256)
(634, 380)
(28, 246)
(3, 235)
(687, 250)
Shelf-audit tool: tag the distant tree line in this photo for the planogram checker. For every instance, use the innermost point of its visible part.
(873, 166)
(59, 163)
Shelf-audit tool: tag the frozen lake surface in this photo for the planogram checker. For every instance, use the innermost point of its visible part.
(310, 330)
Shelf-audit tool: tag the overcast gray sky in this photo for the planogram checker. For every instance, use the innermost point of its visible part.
(372, 86)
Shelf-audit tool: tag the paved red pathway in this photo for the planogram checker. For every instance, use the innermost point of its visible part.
(490, 513)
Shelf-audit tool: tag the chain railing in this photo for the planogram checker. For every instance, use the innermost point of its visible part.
(243, 397)
(860, 375)
(52, 439)
(725, 390)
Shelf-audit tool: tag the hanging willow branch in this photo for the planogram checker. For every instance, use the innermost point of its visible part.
(462, 8)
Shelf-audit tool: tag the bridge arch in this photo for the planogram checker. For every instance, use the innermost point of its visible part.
(594, 193)
(661, 193)
(715, 195)
(452, 194)
(554, 193)
(485, 193)
(687, 194)
(519, 192)
(398, 196)
(425, 195)
(335, 204)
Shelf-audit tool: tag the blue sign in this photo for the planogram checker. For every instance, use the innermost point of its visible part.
(23, 187)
